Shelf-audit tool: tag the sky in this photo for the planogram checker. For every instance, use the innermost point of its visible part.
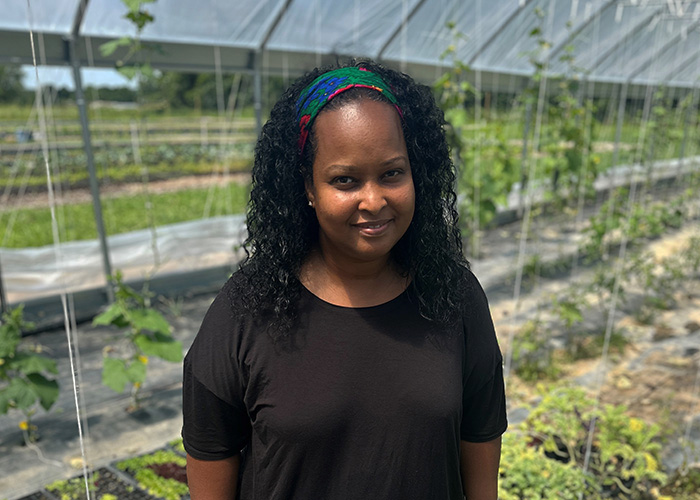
(62, 77)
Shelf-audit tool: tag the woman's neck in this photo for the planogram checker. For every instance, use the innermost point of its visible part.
(357, 284)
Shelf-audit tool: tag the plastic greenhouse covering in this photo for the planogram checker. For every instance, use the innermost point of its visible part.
(615, 41)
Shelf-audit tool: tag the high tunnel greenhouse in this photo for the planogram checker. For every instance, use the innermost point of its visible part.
(574, 129)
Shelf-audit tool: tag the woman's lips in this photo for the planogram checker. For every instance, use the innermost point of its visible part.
(373, 228)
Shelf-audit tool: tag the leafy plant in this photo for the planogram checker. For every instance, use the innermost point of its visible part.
(24, 373)
(526, 473)
(532, 355)
(624, 454)
(639, 221)
(145, 470)
(147, 333)
(74, 488)
(133, 46)
(474, 146)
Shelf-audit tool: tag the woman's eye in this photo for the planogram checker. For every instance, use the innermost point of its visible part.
(343, 180)
(392, 173)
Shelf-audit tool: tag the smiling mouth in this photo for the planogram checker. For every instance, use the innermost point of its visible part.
(373, 224)
(373, 227)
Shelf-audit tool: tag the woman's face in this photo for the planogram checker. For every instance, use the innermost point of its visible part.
(362, 188)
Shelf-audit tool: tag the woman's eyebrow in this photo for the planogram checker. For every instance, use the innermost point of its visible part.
(352, 168)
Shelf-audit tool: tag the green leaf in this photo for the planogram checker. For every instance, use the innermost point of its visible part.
(45, 389)
(19, 391)
(132, 5)
(108, 48)
(147, 71)
(139, 18)
(10, 332)
(136, 372)
(149, 319)
(162, 346)
(114, 374)
(114, 315)
(33, 363)
(129, 72)
(8, 341)
(135, 5)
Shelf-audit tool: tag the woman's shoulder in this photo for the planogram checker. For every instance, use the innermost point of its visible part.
(225, 310)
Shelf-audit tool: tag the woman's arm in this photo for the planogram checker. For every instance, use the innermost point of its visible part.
(213, 479)
(480, 469)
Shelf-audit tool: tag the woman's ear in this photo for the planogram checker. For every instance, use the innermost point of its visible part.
(310, 194)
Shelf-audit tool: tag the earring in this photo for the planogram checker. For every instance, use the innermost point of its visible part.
(311, 203)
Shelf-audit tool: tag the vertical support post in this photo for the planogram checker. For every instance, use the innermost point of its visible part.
(87, 145)
(257, 91)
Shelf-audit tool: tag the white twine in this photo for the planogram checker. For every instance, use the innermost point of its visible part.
(57, 250)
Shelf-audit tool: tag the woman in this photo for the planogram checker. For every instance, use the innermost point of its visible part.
(353, 355)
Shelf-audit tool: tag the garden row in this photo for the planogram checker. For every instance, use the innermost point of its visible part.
(571, 445)
(124, 164)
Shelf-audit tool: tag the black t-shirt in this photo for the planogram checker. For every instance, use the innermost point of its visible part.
(365, 402)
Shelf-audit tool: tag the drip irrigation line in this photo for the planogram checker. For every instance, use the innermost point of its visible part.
(39, 454)
(56, 244)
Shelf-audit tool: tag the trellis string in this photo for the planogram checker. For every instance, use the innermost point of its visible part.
(57, 250)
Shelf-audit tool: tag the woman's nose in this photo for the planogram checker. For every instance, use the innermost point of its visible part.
(372, 198)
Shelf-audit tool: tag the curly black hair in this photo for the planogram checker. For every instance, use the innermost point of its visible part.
(282, 227)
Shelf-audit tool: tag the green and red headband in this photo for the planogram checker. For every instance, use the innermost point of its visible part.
(330, 84)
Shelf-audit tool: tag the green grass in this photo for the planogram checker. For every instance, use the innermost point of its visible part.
(32, 227)
(69, 111)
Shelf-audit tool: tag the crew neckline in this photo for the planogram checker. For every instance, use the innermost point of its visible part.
(382, 308)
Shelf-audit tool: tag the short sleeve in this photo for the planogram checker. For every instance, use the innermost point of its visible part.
(483, 392)
(215, 421)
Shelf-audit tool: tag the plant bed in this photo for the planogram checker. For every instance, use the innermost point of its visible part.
(161, 473)
(106, 485)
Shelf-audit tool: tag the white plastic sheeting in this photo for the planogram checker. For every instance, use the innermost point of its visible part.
(187, 246)
(638, 42)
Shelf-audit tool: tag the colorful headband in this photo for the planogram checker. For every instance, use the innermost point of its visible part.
(330, 84)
